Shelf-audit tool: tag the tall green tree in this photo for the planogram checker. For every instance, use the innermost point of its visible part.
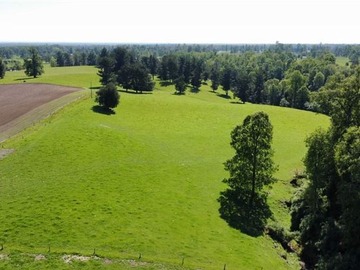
(196, 74)
(318, 81)
(34, 64)
(240, 84)
(297, 91)
(2, 69)
(180, 85)
(226, 79)
(152, 64)
(105, 65)
(215, 76)
(136, 77)
(251, 170)
(272, 92)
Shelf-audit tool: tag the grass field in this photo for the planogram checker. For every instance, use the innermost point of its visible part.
(84, 76)
(342, 61)
(144, 180)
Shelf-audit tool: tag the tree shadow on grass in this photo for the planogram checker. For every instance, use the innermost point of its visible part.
(135, 92)
(24, 79)
(195, 90)
(236, 211)
(166, 83)
(223, 96)
(102, 110)
(237, 102)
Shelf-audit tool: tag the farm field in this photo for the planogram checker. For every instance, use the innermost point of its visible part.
(142, 181)
(19, 104)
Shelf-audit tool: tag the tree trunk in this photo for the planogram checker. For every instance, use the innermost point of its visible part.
(252, 196)
(253, 178)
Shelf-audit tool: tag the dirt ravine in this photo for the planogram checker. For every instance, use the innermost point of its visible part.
(23, 104)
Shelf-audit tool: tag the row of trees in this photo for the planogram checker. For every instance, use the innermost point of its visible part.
(275, 78)
(62, 59)
(47, 51)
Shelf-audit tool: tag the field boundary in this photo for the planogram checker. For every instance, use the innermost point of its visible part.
(39, 113)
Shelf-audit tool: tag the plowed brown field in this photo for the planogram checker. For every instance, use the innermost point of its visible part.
(23, 104)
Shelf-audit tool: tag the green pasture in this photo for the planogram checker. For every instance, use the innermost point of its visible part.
(142, 181)
(84, 76)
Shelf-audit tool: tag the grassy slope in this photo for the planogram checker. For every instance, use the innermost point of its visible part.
(144, 181)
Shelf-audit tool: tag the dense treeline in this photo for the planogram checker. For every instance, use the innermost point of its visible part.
(8, 50)
(277, 74)
(326, 211)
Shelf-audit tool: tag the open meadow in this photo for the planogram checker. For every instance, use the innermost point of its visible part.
(142, 182)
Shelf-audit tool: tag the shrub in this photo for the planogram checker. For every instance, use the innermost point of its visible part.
(108, 96)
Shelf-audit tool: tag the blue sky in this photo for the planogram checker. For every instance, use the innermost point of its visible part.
(180, 21)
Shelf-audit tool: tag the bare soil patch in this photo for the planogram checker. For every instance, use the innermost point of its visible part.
(23, 104)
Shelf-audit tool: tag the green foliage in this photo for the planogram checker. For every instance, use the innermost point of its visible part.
(326, 213)
(272, 92)
(105, 66)
(33, 65)
(2, 69)
(136, 77)
(108, 96)
(120, 206)
(250, 170)
(180, 85)
(281, 235)
(347, 158)
(297, 93)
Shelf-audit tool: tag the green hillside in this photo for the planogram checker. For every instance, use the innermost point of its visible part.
(144, 180)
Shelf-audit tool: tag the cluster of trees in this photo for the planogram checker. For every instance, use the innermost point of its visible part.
(122, 68)
(275, 77)
(326, 211)
(78, 58)
(32, 63)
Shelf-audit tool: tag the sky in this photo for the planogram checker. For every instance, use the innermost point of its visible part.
(180, 21)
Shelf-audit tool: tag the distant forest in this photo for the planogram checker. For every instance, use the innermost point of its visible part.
(76, 53)
(289, 75)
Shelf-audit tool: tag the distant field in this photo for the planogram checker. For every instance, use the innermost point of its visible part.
(143, 181)
(342, 61)
(79, 76)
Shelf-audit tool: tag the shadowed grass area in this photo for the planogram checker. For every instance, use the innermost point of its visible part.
(144, 180)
